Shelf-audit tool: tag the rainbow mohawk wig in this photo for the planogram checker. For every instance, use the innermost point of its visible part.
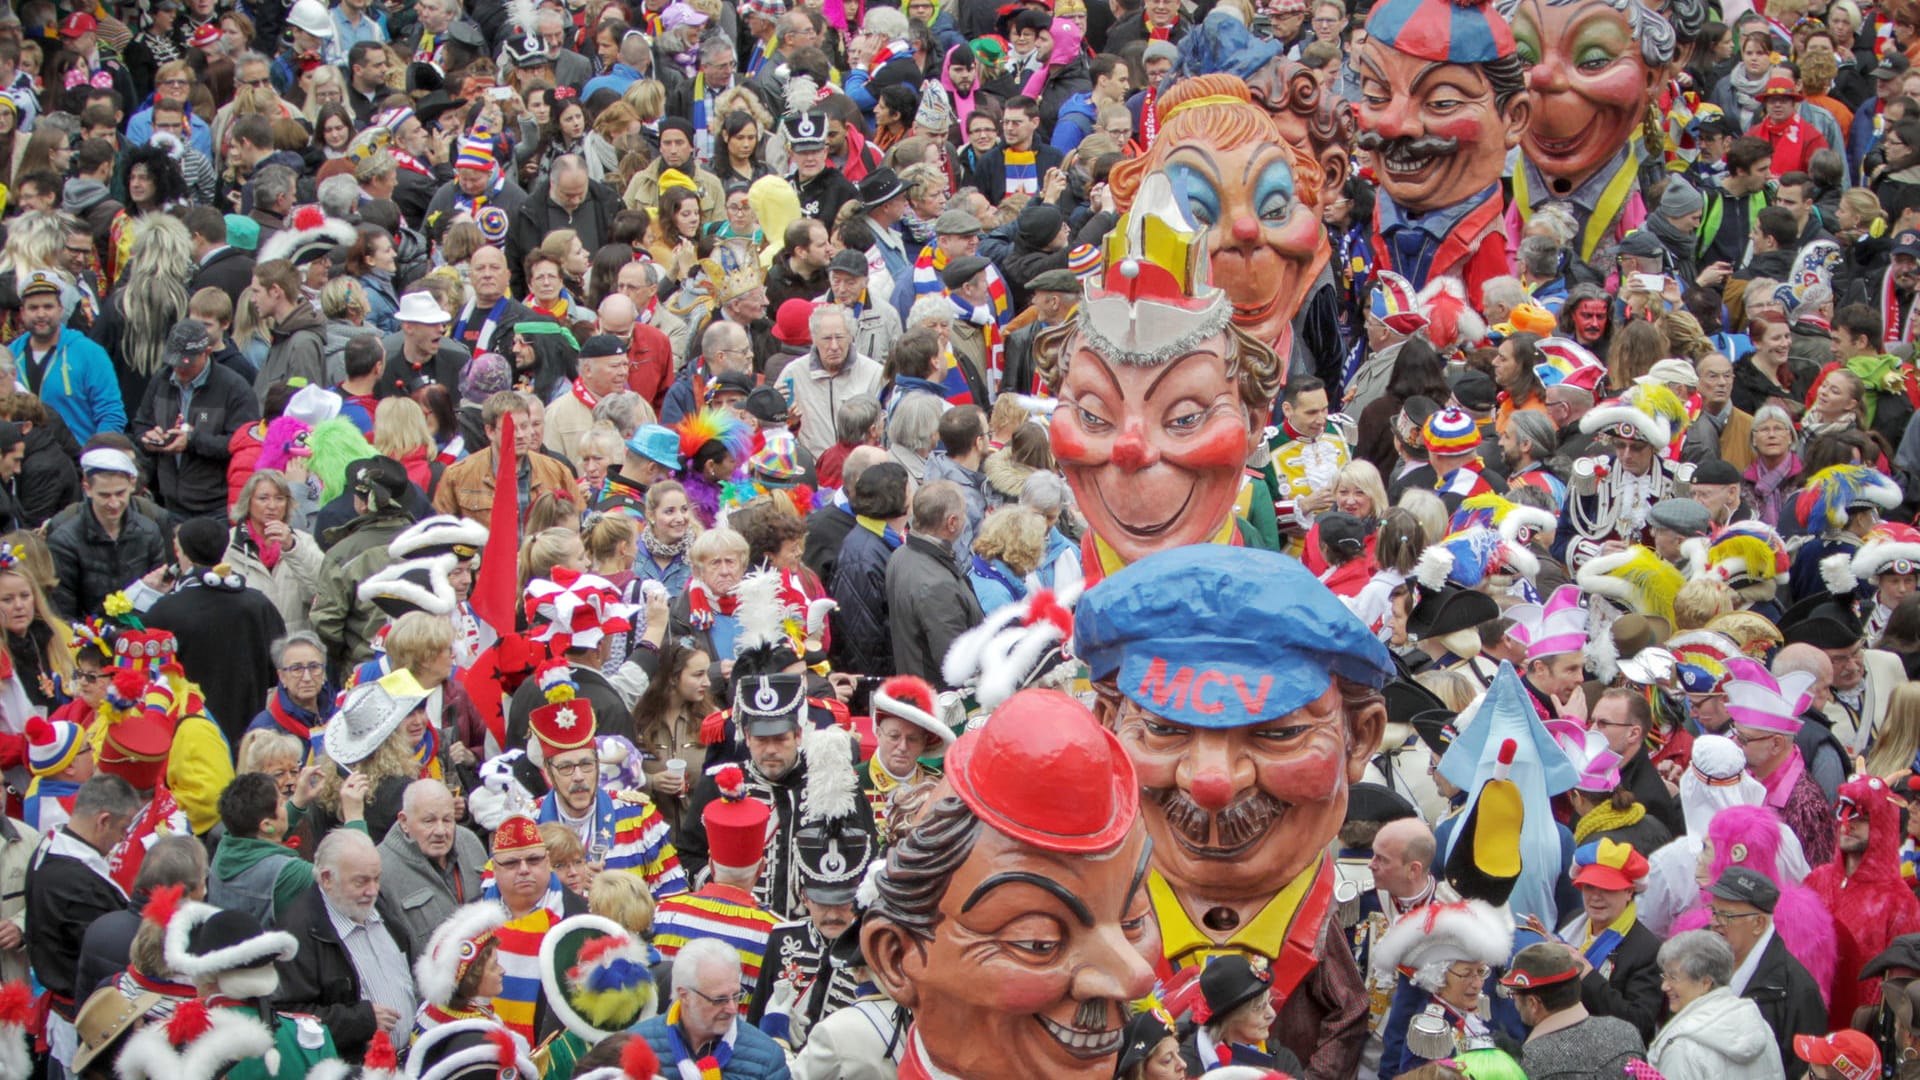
(714, 425)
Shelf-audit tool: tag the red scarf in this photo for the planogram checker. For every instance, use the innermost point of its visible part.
(586, 396)
(1891, 316)
(702, 605)
(286, 720)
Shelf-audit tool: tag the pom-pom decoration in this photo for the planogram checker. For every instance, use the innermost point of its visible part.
(380, 1053)
(555, 679)
(732, 781)
(16, 1004)
(163, 902)
(190, 1021)
(638, 1060)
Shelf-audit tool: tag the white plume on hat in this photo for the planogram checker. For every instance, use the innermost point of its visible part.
(436, 970)
(833, 787)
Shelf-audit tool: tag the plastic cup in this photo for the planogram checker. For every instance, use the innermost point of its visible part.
(677, 768)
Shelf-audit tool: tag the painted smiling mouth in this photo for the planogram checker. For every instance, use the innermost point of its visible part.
(1148, 531)
(1401, 162)
(1557, 147)
(1085, 1045)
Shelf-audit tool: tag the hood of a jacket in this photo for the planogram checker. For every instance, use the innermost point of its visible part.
(338, 333)
(1004, 474)
(1881, 862)
(1725, 1023)
(82, 194)
(302, 317)
(237, 854)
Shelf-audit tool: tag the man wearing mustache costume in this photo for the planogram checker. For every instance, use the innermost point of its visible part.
(1248, 698)
(1443, 97)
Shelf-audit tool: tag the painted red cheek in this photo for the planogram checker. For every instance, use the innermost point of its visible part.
(1068, 445)
(1470, 126)
(1219, 445)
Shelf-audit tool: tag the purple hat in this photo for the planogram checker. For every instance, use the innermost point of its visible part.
(484, 376)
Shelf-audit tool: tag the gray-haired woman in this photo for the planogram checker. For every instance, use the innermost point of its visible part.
(281, 561)
(1715, 1034)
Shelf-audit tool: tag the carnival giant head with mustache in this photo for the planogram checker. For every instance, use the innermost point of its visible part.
(1443, 97)
(1247, 696)
(1014, 923)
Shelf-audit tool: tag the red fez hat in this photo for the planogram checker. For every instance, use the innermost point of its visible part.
(517, 833)
(736, 825)
(135, 750)
(1037, 744)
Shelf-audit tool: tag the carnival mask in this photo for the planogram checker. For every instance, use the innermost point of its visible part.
(1435, 130)
(1589, 82)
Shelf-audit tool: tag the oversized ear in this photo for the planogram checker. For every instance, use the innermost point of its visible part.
(891, 950)
(1334, 162)
(1364, 727)
(1518, 113)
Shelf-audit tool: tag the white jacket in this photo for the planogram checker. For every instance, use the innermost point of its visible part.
(290, 584)
(1717, 1036)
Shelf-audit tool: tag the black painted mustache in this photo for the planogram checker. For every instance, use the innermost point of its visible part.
(1408, 151)
(1245, 818)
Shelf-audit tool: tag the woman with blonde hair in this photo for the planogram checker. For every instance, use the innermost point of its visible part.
(137, 314)
(37, 640)
(400, 432)
(1357, 490)
(268, 552)
(612, 542)
(1009, 546)
(1897, 746)
(369, 759)
(549, 548)
(322, 85)
(602, 147)
(275, 753)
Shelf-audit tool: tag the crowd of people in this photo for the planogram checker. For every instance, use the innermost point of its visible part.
(743, 539)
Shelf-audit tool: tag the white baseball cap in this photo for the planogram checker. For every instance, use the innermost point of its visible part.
(108, 459)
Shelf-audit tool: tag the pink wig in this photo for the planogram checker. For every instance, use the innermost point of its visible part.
(281, 443)
(1804, 926)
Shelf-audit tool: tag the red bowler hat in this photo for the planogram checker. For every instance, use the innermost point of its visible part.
(736, 824)
(1038, 744)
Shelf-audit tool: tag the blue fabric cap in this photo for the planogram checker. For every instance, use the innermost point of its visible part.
(657, 444)
(1215, 636)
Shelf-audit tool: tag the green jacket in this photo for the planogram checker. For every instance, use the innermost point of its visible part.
(302, 1043)
(236, 854)
(359, 551)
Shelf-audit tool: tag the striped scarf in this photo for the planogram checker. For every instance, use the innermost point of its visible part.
(986, 319)
(759, 58)
(702, 130)
(926, 281)
(1023, 176)
(891, 49)
(707, 1066)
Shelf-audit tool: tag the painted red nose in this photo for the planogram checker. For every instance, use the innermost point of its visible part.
(1246, 230)
(1132, 451)
(1213, 790)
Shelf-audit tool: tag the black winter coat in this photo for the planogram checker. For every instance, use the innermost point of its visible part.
(1789, 999)
(321, 979)
(540, 215)
(90, 566)
(226, 637)
(230, 270)
(194, 481)
(931, 602)
(64, 897)
(861, 641)
(49, 479)
(1630, 989)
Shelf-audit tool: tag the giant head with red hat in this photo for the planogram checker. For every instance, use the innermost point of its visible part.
(998, 861)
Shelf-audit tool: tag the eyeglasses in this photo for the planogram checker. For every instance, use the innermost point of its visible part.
(89, 678)
(1748, 738)
(728, 1000)
(303, 670)
(1471, 971)
(575, 768)
(262, 81)
(1722, 918)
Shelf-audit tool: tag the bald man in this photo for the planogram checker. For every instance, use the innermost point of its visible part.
(1402, 868)
(1826, 759)
(649, 351)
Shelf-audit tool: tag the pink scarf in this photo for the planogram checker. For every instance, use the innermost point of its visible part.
(269, 553)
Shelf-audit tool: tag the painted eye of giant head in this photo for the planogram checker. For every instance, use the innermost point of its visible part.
(1272, 190)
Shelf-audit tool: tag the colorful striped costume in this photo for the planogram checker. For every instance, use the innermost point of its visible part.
(49, 803)
(520, 959)
(926, 281)
(718, 911)
(635, 836)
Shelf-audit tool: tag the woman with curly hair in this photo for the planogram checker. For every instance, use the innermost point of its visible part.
(152, 292)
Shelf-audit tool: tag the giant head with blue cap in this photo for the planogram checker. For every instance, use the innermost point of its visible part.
(1249, 699)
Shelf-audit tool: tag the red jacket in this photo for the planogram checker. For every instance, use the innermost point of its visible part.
(1870, 906)
(1793, 143)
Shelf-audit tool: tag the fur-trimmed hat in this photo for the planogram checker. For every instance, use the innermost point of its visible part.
(1428, 939)
(596, 976)
(203, 941)
(1636, 579)
(470, 1050)
(310, 235)
(1648, 412)
(1515, 521)
(1828, 497)
(195, 1043)
(455, 944)
(1892, 548)
(441, 534)
(1014, 647)
(911, 698)
(413, 585)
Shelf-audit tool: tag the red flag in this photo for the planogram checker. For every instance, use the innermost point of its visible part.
(496, 590)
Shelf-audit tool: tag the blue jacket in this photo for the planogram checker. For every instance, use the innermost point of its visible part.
(755, 1056)
(80, 384)
(1075, 122)
(993, 591)
(862, 642)
(617, 79)
(140, 129)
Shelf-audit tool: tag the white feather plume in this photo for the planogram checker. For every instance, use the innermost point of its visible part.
(802, 93)
(868, 894)
(833, 787)
(761, 614)
(1693, 557)
(523, 16)
(817, 613)
(1431, 571)
(1837, 572)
